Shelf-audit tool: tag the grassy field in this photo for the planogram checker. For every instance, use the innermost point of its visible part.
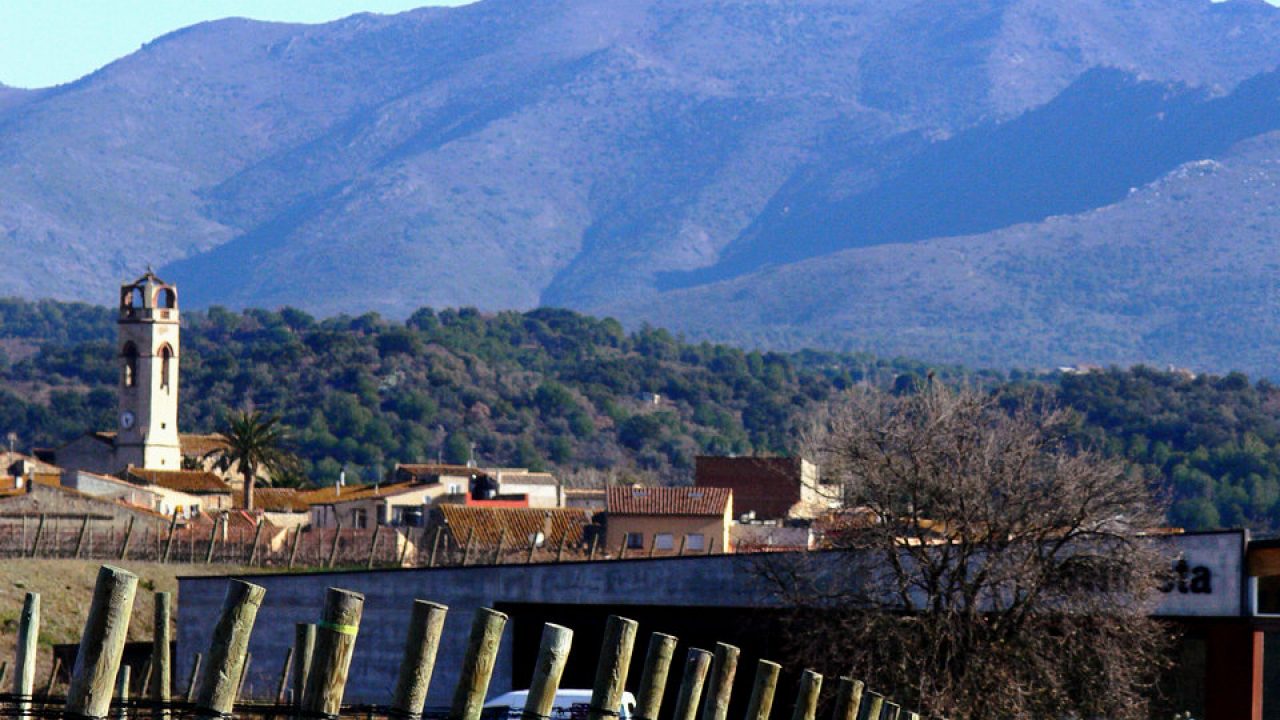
(66, 587)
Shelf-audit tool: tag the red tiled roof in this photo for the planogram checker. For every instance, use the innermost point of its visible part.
(628, 500)
(199, 445)
(329, 494)
(197, 482)
(487, 523)
(274, 500)
(769, 487)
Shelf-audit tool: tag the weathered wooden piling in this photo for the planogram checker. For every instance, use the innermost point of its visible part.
(763, 690)
(335, 641)
(304, 645)
(848, 699)
(873, 702)
(611, 669)
(807, 697)
(715, 705)
(426, 623)
(891, 711)
(161, 669)
(653, 679)
(101, 643)
(24, 676)
(696, 665)
(477, 664)
(553, 653)
(224, 662)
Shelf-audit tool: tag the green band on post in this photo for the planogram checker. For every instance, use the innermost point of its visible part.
(344, 629)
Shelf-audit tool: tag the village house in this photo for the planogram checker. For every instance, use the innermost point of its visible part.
(487, 527)
(186, 492)
(356, 507)
(669, 520)
(764, 488)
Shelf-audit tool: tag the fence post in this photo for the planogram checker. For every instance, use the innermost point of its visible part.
(24, 678)
(195, 675)
(564, 540)
(653, 680)
(696, 665)
(284, 676)
(762, 691)
(244, 673)
(128, 535)
(848, 699)
(168, 543)
(335, 641)
(297, 542)
(622, 548)
(874, 704)
(404, 547)
(591, 554)
(477, 664)
(213, 540)
(807, 698)
(373, 544)
(160, 640)
(84, 529)
(553, 653)
(611, 670)
(257, 536)
(426, 623)
(122, 693)
(304, 644)
(225, 661)
(466, 553)
(891, 711)
(39, 532)
(715, 706)
(435, 546)
(53, 679)
(333, 550)
(102, 643)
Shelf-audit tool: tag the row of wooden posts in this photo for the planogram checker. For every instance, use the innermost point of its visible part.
(319, 661)
(159, 545)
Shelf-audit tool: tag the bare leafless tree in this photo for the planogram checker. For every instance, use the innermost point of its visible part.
(984, 567)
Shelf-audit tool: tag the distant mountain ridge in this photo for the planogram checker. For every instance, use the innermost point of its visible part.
(673, 162)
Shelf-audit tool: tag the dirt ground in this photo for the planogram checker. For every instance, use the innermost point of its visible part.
(66, 587)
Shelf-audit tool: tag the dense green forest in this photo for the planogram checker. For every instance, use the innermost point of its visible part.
(554, 389)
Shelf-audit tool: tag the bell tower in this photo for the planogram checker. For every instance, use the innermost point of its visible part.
(147, 432)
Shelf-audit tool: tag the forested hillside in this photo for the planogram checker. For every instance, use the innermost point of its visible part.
(554, 389)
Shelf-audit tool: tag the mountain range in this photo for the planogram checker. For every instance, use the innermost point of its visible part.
(996, 182)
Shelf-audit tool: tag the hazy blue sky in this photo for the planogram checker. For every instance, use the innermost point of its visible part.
(48, 42)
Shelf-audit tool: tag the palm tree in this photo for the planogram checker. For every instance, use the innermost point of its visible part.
(252, 442)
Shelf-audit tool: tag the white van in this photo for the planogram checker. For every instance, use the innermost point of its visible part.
(568, 703)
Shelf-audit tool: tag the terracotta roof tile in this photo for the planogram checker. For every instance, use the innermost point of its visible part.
(487, 524)
(628, 500)
(274, 500)
(193, 444)
(329, 494)
(189, 481)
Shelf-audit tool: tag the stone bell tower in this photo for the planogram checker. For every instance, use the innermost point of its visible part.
(147, 436)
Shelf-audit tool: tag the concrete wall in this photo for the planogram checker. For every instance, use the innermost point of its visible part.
(718, 581)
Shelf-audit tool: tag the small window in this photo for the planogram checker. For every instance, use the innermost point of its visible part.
(359, 519)
(635, 541)
(695, 541)
(663, 541)
(166, 357)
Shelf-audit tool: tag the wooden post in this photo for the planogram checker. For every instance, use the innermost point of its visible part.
(257, 535)
(762, 690)
(283, 687)
(653, 680)
(622, 548)
(53, 679)
(24, 677)
(404, 547)
(335, 641)
(502, 546)
(128, 535)
(591, 554)
(564, 540)
(373, 544)
(35, 545)
(426, 623)
(466, 553)
(293, 551)
(160, 660)
(102, 643)
(477, 664)
(684, 538)
(807, 698)
(848, 699)
(611, 670)
(146, 678)
(225, 661)
(913, 715)
(874, 705)
(84, 529)
(333, 551)
(168, 543)
(553, 653)
(435, 545)
(696, 665)
(213, 542)
(891, 711)
(122, 693)
(533, 548)
(304, 645)
(195, 674)
(715, 706)
(244, 673)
